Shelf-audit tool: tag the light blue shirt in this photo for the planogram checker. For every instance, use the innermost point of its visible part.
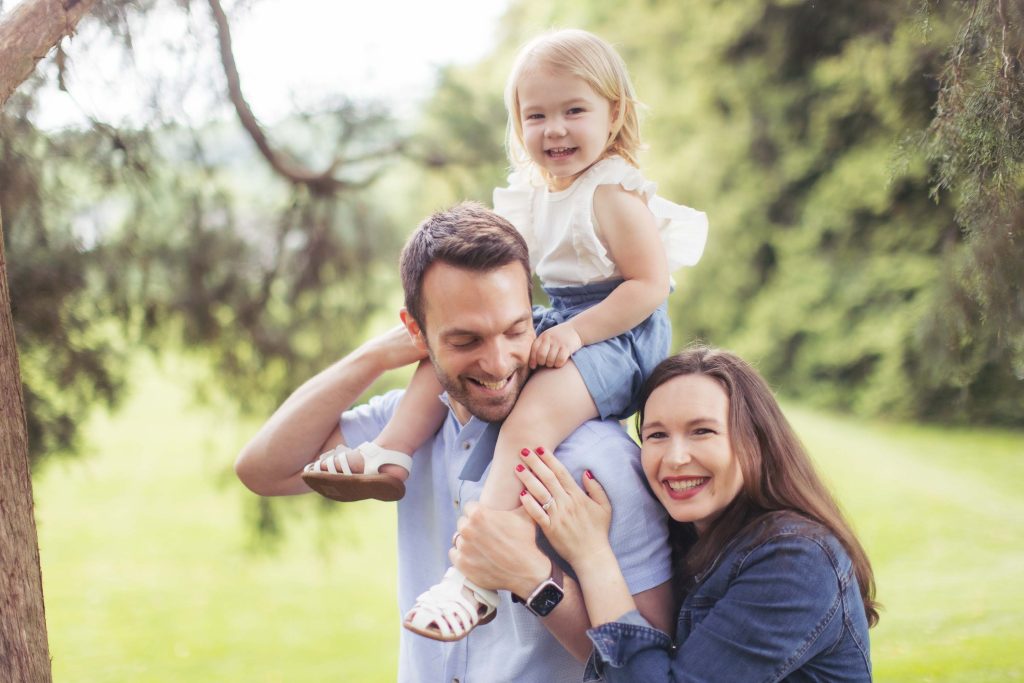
(515, 646)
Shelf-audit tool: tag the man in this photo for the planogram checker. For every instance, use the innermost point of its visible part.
(466, 278)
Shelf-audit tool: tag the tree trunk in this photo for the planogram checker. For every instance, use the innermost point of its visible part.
(24, 650)
(27, 34)
(29, 31)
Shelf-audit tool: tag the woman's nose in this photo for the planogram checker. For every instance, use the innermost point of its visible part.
(678, 453)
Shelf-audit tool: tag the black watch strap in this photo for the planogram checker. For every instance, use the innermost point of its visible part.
(546, 596)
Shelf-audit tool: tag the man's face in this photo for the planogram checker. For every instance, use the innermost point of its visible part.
(479, 329)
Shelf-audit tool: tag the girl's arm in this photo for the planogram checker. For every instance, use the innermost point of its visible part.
(631, 235)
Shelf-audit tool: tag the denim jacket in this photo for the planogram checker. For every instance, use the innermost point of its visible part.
(777, 606)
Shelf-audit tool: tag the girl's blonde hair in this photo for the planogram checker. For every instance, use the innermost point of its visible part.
(584, 55)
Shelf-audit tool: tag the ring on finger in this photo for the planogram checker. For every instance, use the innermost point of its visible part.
(455, 539)
(545, 506)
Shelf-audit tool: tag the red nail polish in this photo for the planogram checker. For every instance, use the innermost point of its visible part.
(540, 450)
(525, 452)
(590, 475)
(523, 492)
(519, 468)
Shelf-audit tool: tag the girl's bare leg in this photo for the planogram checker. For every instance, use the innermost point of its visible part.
(552, 405)
(554, 402)
(419, 414)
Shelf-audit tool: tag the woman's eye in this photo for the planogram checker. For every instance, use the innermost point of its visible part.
(655, 435)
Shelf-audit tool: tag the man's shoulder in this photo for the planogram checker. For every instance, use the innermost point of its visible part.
(604, 447)
(373, 414)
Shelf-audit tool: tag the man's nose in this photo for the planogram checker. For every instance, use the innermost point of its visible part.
(496, 358)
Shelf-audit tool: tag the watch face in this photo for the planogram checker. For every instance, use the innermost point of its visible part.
(546, 600)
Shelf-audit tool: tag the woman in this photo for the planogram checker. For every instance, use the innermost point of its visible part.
(774, 584)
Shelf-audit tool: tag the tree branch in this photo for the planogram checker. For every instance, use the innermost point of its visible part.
(29, 32)
(320, 183)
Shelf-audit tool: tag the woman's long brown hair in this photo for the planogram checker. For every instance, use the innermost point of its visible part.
(778, 475)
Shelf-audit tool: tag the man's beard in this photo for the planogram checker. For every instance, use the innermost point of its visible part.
(481, 408)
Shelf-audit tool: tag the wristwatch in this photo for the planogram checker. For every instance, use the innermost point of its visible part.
(547, 595)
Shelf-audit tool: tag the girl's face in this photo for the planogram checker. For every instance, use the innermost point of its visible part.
(687, 453)
(565, 123)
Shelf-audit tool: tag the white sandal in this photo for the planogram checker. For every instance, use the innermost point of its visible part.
(345, 486)
(445, 613)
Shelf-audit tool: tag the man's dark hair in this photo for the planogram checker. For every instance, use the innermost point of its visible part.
(468, 236)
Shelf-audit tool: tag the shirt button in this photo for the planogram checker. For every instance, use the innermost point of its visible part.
(456, 503)
(466, 445)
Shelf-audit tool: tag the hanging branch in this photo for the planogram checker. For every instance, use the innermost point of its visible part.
(323, 183)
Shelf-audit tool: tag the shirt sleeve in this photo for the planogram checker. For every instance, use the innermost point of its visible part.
(364, 422)
(782, 608)
(639, 529)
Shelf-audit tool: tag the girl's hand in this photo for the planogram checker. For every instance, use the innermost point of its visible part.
(575, 522)
(553, 346)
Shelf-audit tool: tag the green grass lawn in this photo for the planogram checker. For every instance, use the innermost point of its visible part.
(151, 572)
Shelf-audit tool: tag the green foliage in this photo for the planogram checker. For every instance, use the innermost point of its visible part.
(795, 125)
(177, 238)
(976, 142)
(70, 354)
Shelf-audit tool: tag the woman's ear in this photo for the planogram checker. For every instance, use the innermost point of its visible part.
(414, 329)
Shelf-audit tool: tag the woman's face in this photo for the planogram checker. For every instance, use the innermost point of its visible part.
(687, 453)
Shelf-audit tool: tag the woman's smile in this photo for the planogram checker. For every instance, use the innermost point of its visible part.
(681, 488)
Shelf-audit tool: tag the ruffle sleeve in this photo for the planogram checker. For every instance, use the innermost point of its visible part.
(515, 204)
(683, 230)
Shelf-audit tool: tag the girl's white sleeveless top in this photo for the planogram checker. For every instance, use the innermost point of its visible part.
(565, 241)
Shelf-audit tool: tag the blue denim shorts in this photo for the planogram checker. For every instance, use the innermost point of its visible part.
(614, 369)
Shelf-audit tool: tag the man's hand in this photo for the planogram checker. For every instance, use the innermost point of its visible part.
(497, 549)
(553, 346)
(395, 349)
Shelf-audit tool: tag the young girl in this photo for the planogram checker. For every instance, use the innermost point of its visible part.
(603, 246)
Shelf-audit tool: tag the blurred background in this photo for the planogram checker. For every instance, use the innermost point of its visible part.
(203, 205)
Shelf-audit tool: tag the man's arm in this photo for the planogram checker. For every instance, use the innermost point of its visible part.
(497, 550)
(306, 424)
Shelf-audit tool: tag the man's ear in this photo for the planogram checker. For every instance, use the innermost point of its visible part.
(414, 329)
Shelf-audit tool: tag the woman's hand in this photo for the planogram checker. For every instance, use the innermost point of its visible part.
(575, 522)
(553, 347)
